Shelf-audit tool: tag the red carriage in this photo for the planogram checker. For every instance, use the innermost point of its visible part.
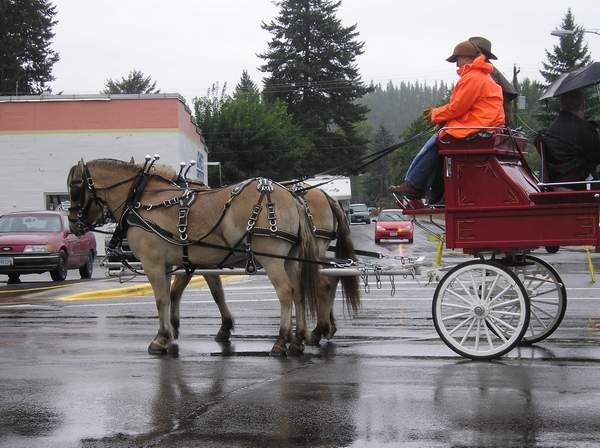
(497, 210)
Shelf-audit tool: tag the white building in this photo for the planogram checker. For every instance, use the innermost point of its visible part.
(41, 137)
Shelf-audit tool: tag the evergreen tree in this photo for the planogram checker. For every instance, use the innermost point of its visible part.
(135, 82)
(311, 67)
(571, 53)
(26, 58)
(246, 88)
(248, 136)
(375, 182)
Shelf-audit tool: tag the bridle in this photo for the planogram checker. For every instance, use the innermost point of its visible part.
(84, 195)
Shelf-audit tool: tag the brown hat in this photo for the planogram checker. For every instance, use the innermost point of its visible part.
(484, 45)
(465, 48)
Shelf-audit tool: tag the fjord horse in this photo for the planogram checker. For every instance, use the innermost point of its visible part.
(328, 222)
(218, 219)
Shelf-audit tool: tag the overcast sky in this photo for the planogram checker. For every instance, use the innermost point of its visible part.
(186, 45)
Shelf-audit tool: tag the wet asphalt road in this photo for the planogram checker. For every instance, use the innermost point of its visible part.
(77, 373)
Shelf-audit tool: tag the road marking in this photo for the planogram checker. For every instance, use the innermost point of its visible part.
(41, 288)
(200, 302)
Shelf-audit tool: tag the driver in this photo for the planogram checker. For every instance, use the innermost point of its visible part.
(475, 102)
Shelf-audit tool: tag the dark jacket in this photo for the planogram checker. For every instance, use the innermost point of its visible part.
(572, 148)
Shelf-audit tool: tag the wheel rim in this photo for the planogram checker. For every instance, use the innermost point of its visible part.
(472, 307)
(547, 297)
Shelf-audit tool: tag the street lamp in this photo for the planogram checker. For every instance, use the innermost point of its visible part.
(219, 165)
(562, 33)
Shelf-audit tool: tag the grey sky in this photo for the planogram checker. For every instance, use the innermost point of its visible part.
(186, 45)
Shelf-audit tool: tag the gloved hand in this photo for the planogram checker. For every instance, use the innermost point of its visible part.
(427, 114)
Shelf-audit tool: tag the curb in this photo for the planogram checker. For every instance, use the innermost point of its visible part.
(138, 290)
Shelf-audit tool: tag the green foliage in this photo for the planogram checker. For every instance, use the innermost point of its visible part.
(135, 82)
(395, 107)
(569, 54)
(246, 88)
(400, 160)
(374, 183)
(249, 136)
(310, 62)
(26, 58)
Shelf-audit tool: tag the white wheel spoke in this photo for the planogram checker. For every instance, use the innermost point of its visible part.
(554, 302)
(456, 305)
(465, 289)
(489, 337)
(537, 318)
(455, 316)
(501, 322)
(508, 302)
(498, 331)
(500, 294)
(460, 325)
(454, 293)
(477, 335)
(541, 310)
(462, 341)
(548, 291)
(487, 298)
(507, 313)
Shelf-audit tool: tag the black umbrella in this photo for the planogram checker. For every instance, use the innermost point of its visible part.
(577, 79)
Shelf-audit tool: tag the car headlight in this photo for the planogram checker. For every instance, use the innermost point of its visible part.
(36, 248)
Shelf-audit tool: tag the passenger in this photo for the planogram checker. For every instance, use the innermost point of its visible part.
(475, 102)
(572, 144)
(509, 93)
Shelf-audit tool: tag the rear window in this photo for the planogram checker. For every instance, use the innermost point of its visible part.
(359, 207)
(29, 223)
(393, 216)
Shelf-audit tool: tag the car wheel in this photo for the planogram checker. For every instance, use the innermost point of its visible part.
(60, 272)
(552, 249)
(377, 241)
(14, 278)
(368, 221)
(410, 241)
(88, 268)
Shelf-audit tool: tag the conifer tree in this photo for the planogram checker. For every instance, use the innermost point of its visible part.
(246, 88)
(311, 66)
(135, 82)
(26, 59)
(571, 52)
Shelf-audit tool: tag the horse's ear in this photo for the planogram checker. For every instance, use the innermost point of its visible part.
(132, 161)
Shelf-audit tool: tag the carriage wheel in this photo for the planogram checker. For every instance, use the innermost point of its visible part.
(547, 297)
(480, 309)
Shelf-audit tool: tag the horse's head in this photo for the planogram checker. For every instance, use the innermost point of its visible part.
(87, 210)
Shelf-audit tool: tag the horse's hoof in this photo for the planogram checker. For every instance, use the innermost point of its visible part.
(315, 338)
(279, 350)
(173, 350)
(223, 336)
(157, 349)
(296, 349)
(331, 332)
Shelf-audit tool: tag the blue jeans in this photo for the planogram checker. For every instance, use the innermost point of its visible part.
(421, 170)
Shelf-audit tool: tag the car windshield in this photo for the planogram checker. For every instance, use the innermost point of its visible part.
(29, 223)
(359, 207)
(392, 216)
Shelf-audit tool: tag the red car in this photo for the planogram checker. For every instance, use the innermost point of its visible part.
(392, 224)
(36, 242)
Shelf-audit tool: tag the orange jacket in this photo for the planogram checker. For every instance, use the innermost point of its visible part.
(475, 101)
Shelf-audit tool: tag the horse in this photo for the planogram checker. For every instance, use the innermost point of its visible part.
(329, 222)
(168, 225)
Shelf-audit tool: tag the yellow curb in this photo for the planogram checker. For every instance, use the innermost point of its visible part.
(138, 290)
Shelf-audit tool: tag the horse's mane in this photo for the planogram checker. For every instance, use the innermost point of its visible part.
(160, 170)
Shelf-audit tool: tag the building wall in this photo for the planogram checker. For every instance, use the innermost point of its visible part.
(40, 140)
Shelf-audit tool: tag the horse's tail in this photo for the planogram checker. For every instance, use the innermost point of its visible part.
(309, 272)
(344, 249)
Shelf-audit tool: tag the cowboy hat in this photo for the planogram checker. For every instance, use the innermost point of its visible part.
(465, 48)
(484, 45)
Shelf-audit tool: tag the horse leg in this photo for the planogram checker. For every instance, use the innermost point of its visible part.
(333, 282)
(285, 292)
(216, 289)
(177, 288)
(322, 327)
(160, 285)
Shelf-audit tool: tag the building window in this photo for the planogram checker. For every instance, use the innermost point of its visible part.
(57, 201)
(200, 167)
